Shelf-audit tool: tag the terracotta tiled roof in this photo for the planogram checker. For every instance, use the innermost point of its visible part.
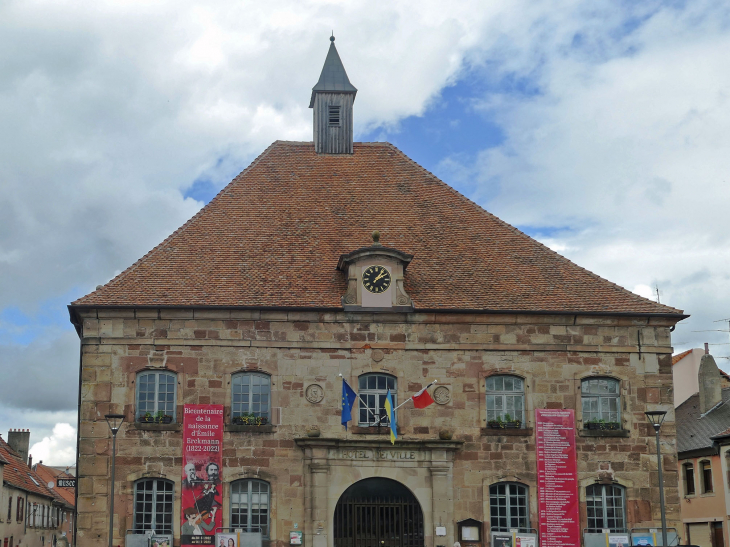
(272, 238)
(17, 473)
(677, 358)
(48, 474)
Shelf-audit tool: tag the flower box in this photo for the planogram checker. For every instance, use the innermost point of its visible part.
(605, 426)
(164, 420)
(146, 419)
(498, 424)
(250, 420)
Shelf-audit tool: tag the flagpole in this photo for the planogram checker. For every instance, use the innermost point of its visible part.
(411, 398)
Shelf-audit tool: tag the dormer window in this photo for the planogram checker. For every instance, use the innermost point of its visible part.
(334, 115)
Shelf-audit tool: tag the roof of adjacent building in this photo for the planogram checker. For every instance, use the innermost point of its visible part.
(272, 239)
(51, 474)
(695, 431)
(17, 473)
(333, 76)
(677, 358)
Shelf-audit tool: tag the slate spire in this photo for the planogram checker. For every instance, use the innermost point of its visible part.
(332, 100)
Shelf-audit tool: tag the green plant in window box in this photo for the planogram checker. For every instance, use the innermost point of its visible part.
(250, 419)
(507, 423)
(162, 418)
(603, 425)
(147, 418)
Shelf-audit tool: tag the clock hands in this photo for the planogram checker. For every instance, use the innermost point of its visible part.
(381, 275)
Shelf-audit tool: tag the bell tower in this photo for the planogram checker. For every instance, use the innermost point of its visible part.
(332, 100)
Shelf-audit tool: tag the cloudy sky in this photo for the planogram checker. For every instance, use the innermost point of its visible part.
(601, 128)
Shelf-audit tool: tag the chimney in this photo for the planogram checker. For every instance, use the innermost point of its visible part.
(709, 383)
(19, 440)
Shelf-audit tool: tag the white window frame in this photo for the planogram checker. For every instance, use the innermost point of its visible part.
(590, 393)
(514, 493)
(599, 502)
(170, 407)
(252, 504)
(248, 403)
(511, 400)
(372, 399)
(159, 497)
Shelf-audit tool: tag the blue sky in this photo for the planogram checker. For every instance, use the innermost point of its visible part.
(601, 128)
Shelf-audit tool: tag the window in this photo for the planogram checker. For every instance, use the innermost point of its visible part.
(373, 389)
(606, 508)
(689, 479)
(505, 399)
(508, 507)
(10, 508)
(251, 394)
(156, 393)
(18, 510)
(250, 506)
(706, 472)
(601, 401)
(334, 115)
(153, 505)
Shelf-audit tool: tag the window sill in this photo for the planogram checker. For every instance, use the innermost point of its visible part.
(157, 427)
(493, 432)
(707, 495)
(268, 428)
(373, 430)
(604, 433)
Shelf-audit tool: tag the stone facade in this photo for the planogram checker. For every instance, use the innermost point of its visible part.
(450, 478)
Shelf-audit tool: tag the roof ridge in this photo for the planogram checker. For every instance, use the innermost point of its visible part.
(520, 233)
(181, 229)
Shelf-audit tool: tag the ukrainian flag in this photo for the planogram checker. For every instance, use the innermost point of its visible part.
(391, 417)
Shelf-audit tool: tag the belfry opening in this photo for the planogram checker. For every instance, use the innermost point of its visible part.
(378, 512)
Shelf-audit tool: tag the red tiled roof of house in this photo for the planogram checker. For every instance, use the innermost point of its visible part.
(677, 358)
(17, 473)
(49, 474)
(273, 236)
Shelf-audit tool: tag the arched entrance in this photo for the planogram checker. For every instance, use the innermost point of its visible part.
(378, 512)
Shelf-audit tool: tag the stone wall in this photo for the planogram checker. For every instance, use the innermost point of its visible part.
(205, 347)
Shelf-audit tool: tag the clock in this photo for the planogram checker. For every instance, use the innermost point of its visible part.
(376, 279)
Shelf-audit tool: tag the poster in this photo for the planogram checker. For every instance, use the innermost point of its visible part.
(201, 482)
(227, 540)
(618, 541)
(643, 539)
(502, 540)
(557, 478)
(525, 541)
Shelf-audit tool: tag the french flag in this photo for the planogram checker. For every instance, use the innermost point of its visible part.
(422, 399)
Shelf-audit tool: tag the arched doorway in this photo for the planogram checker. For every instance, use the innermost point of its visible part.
(378, 512)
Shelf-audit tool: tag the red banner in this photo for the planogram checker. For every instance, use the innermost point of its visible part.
(557, 478)
(201, 485)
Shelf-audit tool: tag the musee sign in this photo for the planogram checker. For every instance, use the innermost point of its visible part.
(66, 483)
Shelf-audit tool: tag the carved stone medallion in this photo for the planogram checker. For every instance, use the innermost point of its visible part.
(314, 393)
(442, 395)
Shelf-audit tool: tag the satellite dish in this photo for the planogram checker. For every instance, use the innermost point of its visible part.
(51, 485)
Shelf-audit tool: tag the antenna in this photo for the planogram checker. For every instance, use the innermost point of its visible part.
(656, 288)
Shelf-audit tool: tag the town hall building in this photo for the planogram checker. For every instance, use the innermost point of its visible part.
(226, 347)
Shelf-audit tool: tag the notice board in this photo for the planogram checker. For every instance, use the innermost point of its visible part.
(557, 478)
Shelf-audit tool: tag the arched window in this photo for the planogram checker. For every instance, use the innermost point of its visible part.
(606, 507)
(689, 479)
(153, 499)
(373, 388)
(601, 399)
(706, 476)
(505, 399)
(156, 394)
(251, 395)
(509, 507)
(250, 506)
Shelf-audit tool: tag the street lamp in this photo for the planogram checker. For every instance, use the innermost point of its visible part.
(115, 422)
(656, 417)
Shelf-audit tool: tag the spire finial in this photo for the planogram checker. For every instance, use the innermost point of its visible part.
(376, 238)
(332, 38)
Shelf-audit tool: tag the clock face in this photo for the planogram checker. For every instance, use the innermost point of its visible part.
(376, 279)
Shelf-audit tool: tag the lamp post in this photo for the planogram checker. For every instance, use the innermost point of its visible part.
(115, 422)
(656, 417)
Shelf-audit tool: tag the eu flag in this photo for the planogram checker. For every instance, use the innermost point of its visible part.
(348, 399)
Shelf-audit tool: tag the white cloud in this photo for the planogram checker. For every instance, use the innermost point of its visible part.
(57, 449)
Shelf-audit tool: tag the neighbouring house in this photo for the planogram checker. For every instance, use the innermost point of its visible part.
(31, 514)
(685, 371)
(703, 449)
(62, 484)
